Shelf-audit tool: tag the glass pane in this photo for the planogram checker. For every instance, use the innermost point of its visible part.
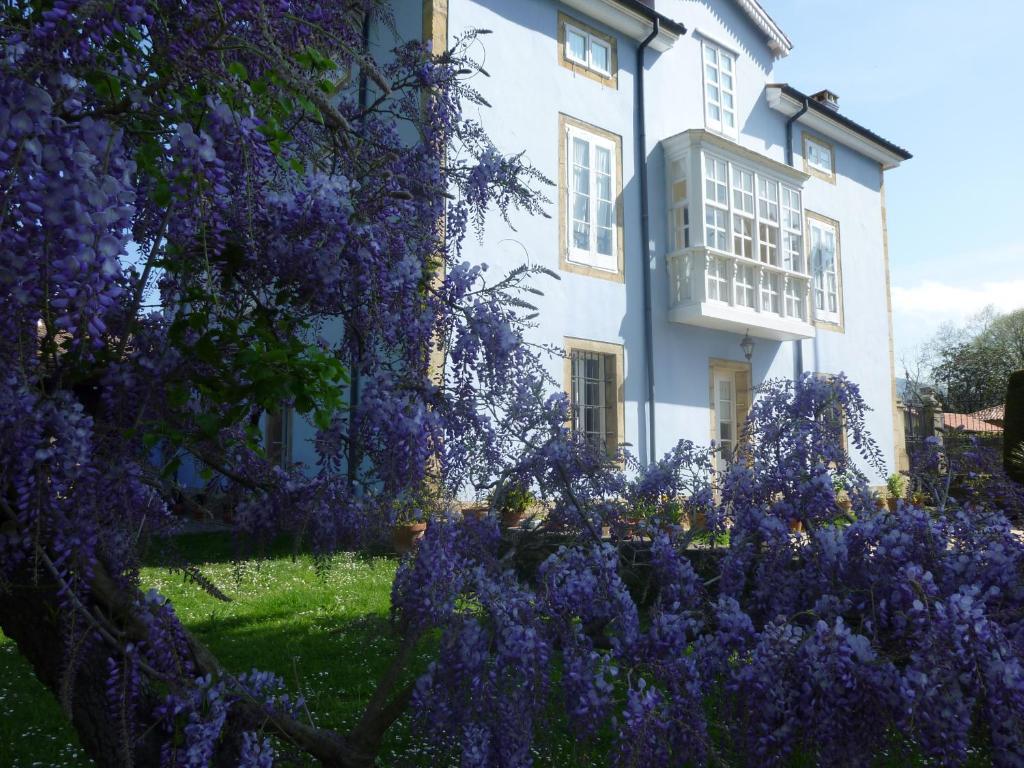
(581, 152)
(604, 214)
(711, 73)
(581, 235)
(712, 92)
(602, 160)
(576, 44)
(726, 82)
(726, 62)
(711, 54)
(599, 56)
(604, 241)
(714, 112)
(581, 205)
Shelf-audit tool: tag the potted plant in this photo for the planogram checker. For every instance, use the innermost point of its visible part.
(842, 497)
(896, 485)
(410, 524)
(514, 502)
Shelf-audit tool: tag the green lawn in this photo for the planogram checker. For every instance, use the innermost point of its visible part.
(326, 632)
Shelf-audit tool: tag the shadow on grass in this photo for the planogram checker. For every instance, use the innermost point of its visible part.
(230, 546)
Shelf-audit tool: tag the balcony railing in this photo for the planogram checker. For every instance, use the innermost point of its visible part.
(714, 289)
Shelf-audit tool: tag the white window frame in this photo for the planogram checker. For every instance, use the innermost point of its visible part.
(822, 287)
(679, 194)
(591, 40)
(792, 230)
(743, 220)
(590, 256)
(725, 414)
(816, 153)
(776, 209)
(712, 57)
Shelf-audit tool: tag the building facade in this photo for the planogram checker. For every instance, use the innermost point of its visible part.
(698, 202)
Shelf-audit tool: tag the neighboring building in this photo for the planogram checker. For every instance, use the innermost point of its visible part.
(764, 211)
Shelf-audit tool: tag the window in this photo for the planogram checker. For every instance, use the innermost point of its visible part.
(680, 213)
(594, 373)
(585, 50)
(718, 279)
(770, 293)
(768, 212)
(745, 286)
(591, 192)
(716, 203)
(743, 212)
(792, 230)
(719, 90)
(730, 403)
(278, 435)
(819, 159)
(795, 298)
(824, 258)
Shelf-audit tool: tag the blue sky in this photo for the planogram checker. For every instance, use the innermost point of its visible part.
(945, 80)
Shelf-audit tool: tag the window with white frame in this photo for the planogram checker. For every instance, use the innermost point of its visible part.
(818, 155)
(745, 289)
(770, 293)
(743, 212)
(680, 213)
(591, 166)
(716, 203)
(719, 90)
(588, 50)
(824, 248)
(794, 290)
(718, 279)
(768, 215)
(730, 405)
(757, 216)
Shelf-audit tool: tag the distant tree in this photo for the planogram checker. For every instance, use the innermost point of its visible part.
(971, 364)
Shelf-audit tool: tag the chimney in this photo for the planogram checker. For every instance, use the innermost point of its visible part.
(827, 99)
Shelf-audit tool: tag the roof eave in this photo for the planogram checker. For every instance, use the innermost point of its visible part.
(632, 18)
(778, 43)
(789, 101)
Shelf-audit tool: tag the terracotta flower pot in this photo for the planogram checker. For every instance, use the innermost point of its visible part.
(405, 535)
(510, 518)
(892, 503)
(474, 513)
(796, 526)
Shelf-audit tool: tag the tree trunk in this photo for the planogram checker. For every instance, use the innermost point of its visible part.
(31, 615)
(34, 617)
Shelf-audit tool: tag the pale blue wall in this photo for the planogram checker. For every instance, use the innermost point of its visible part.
(528, 89)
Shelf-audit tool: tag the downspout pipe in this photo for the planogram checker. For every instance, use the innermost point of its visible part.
(355, 456)
(798, 347)
(645, 234)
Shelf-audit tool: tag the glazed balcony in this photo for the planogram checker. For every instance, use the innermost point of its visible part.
(714, 289)
(737, 259)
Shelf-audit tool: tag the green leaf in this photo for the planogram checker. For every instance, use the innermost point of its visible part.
(238, 69)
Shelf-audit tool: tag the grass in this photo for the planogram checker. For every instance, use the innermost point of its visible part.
(325, 631)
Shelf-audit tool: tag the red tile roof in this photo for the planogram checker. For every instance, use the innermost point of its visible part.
(969, 422)
(993, 415)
